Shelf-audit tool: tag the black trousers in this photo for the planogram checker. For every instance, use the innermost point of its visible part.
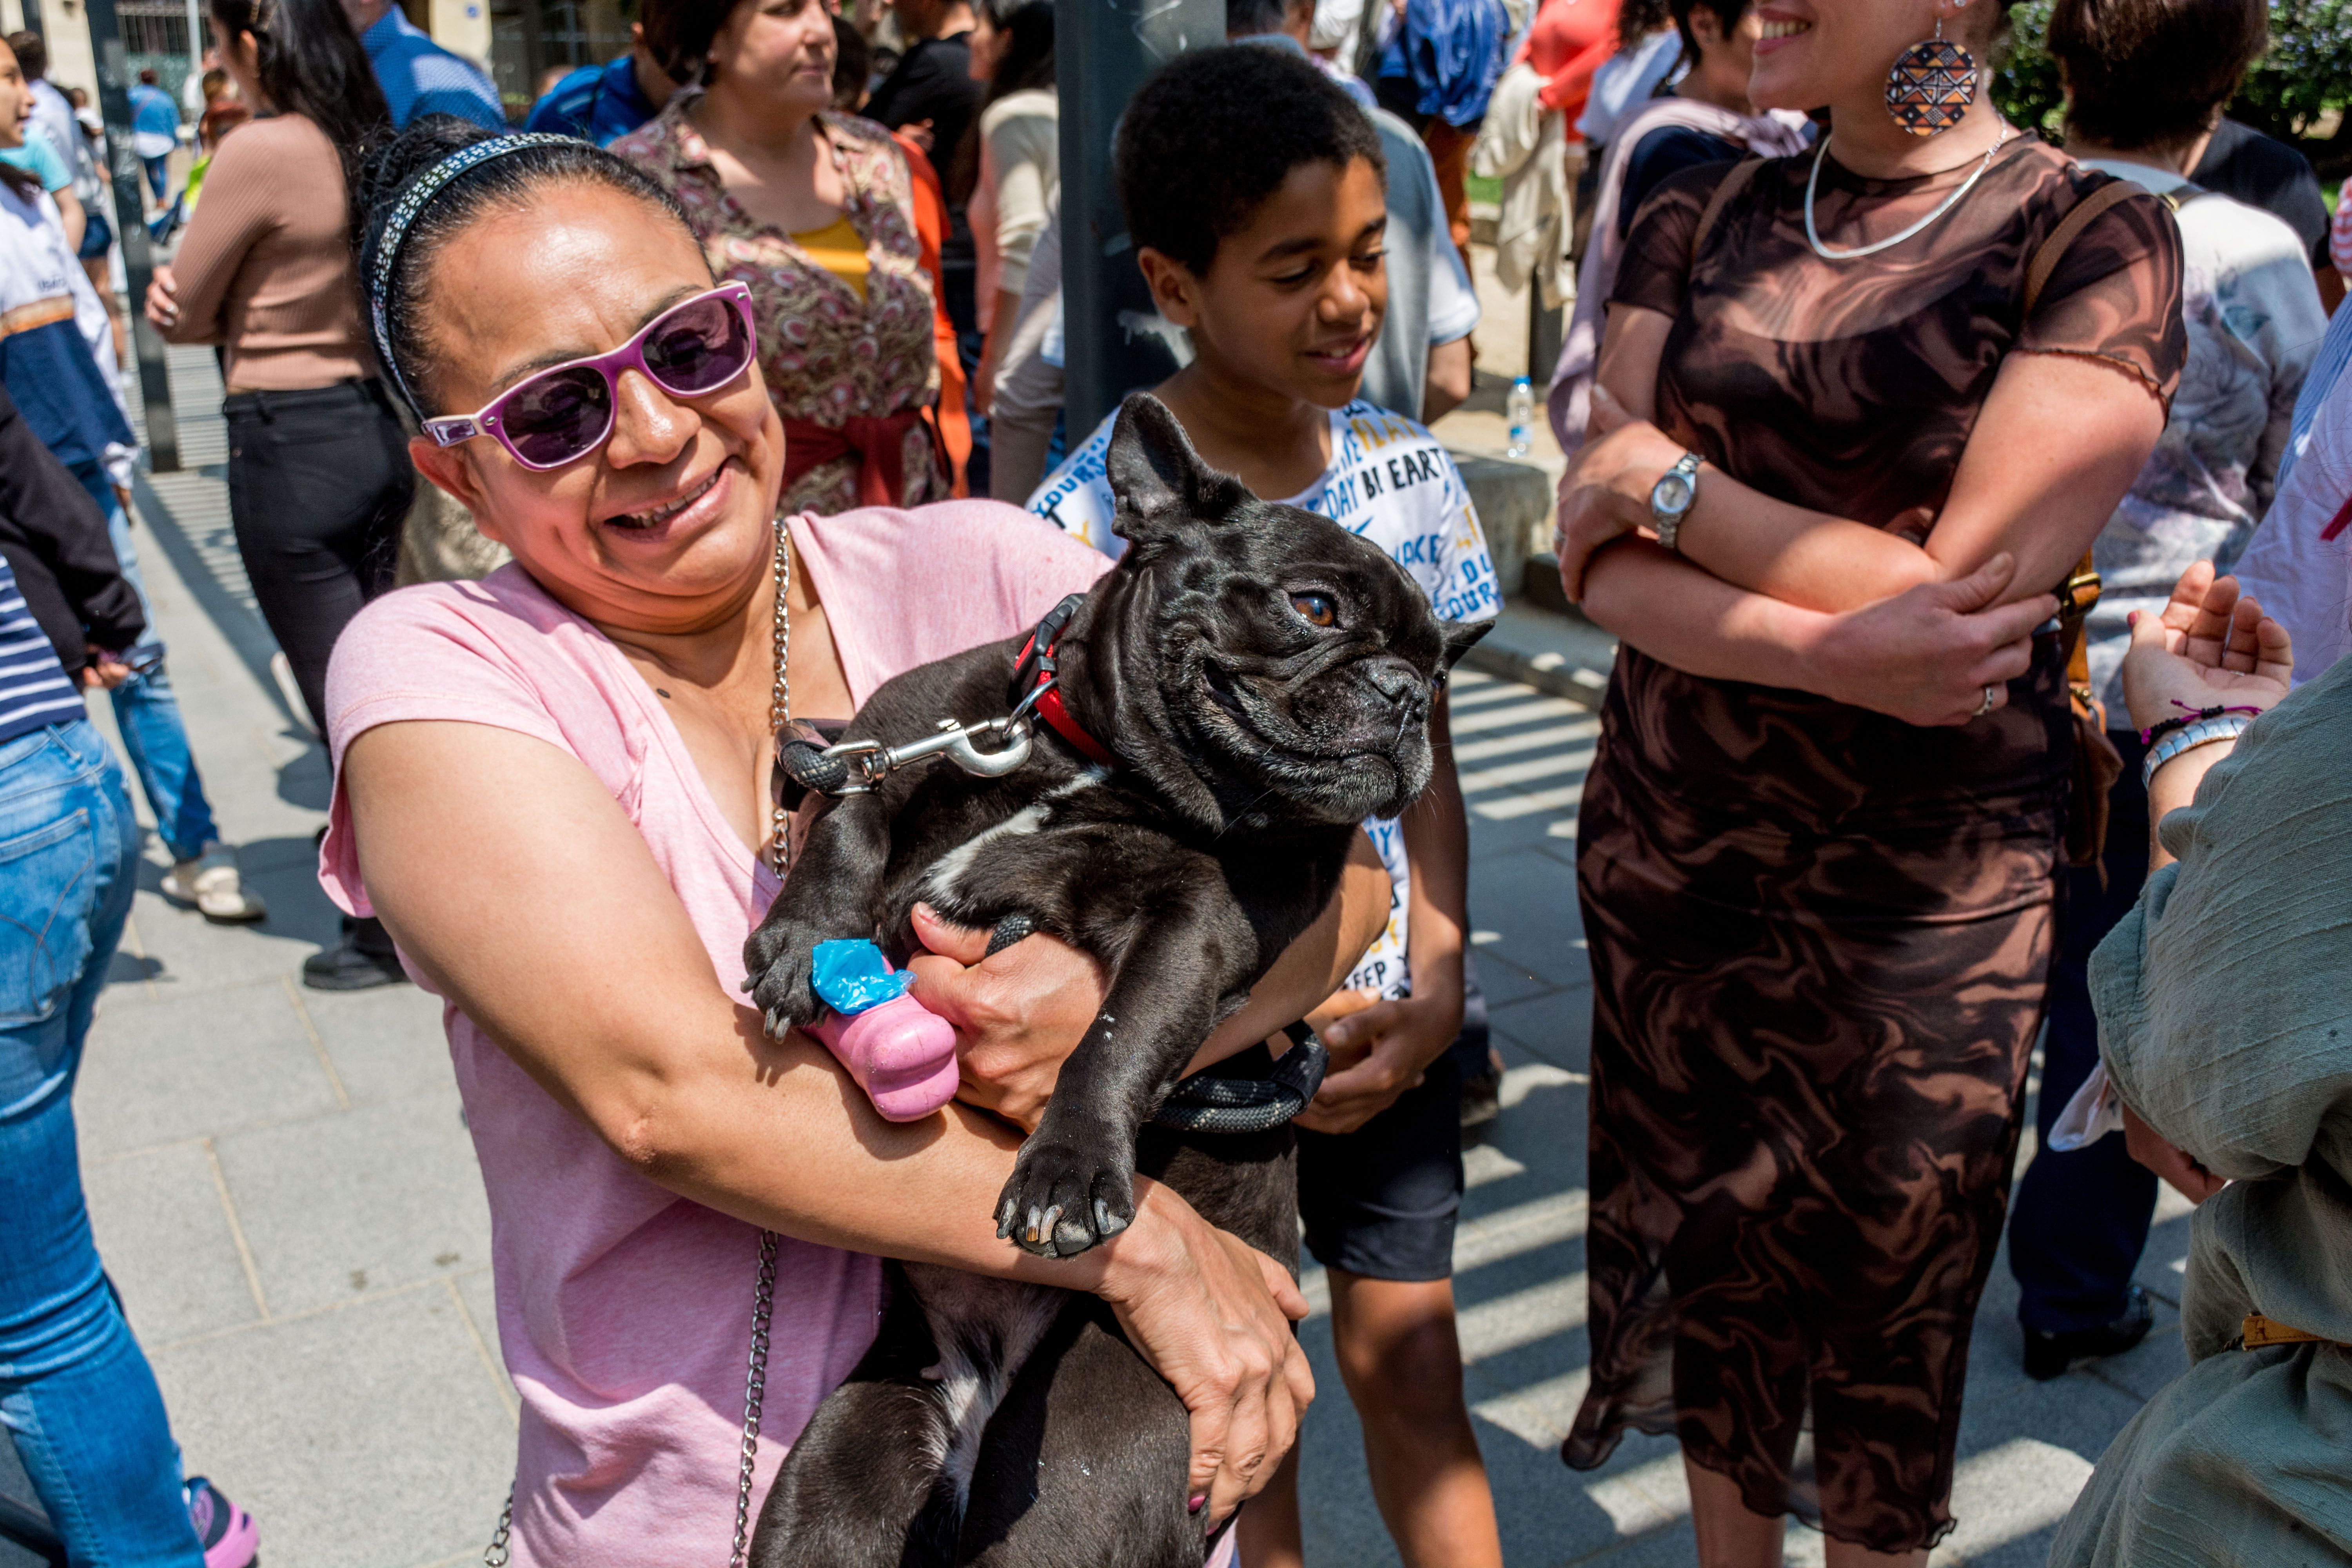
(2079, 1221)
(319, 482)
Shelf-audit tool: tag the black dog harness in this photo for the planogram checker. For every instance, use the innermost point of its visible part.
(805, 762)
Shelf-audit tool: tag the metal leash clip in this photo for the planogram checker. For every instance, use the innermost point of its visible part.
(855, 767)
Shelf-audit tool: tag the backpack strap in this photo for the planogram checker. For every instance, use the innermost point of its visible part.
(2070, 228)
(1742, 174)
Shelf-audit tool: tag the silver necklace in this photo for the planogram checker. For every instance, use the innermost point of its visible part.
(1813, 237)
(779, 853)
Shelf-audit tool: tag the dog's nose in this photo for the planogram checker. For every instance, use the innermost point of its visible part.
(1399, 682)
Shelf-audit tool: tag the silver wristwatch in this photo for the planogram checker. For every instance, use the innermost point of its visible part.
(1672, 496)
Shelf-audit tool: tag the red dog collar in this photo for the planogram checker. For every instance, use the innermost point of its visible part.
(1034, 682)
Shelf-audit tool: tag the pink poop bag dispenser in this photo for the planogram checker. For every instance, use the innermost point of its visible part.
(901, 1054)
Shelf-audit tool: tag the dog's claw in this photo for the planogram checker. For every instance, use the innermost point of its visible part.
(1106, 1224)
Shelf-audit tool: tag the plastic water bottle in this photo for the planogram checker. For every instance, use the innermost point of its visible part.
(1522, 408)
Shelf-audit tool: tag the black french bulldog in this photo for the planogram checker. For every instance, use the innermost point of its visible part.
(1264, 680)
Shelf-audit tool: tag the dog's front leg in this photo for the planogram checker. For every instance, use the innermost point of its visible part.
(835, 892)
(1073, 1185)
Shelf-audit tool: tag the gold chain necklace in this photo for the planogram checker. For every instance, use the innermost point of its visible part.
(779, 703)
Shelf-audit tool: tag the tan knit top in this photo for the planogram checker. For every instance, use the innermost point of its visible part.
(265, 267)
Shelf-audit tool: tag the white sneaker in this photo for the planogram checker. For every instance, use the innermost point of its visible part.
(211, 884)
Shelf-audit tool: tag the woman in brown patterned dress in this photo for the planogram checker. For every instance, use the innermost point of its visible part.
(814, 210)
(1816, 851)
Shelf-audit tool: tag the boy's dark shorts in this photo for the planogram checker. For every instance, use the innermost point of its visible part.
(1381, 1201)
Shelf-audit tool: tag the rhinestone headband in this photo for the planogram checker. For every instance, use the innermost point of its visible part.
(413, 203)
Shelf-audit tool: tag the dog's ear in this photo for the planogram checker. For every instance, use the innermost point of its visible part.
(1164, 490)
(1461, 637)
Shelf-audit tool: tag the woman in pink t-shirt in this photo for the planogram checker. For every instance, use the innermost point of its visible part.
(551, 786)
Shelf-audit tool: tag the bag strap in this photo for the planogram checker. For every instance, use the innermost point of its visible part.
(2070, 228)
(1731, 185)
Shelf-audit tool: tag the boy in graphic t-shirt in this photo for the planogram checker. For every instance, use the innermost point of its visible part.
(1254, 190)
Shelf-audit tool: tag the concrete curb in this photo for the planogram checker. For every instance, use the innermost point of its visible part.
(1550, 673)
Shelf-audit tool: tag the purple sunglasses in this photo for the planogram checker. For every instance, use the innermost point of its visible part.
(565, 412)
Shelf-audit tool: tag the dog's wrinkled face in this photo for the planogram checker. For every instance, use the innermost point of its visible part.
(1297, 661)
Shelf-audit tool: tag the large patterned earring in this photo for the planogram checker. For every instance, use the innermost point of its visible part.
(1932, 85)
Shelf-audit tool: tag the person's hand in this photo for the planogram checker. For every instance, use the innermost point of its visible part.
(2210, 648)
(921, 133)
(1926, 654)
(1605, 493)
(1213, 1314)
(1379, 1049)
(2184, 1176)
(1016, 1015)
(104, 671)
(162, 308)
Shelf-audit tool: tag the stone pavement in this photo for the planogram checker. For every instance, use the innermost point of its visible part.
(288, 1202)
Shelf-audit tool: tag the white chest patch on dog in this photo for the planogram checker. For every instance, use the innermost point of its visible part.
(941, 883)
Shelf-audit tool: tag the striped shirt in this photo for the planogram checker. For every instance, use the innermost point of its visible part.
(33, 690)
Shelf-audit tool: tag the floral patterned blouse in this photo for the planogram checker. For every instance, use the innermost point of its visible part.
(830, 358)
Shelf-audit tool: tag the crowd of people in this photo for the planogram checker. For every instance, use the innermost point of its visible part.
(1962, 499)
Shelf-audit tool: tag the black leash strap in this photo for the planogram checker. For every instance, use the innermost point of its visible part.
(1206, 1104)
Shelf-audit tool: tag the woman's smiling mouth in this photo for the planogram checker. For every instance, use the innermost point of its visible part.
(653, 517)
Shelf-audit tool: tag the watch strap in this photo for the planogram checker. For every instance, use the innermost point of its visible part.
(1670, 524)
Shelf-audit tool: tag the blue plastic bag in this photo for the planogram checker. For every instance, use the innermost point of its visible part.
(853, 976)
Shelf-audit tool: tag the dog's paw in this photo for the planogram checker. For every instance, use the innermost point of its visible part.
(777, 965)
(1068, 1193)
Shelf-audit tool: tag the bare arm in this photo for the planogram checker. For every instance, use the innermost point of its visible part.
(71, 213)
(2057, 444)
(1447, 385)
(538, 911)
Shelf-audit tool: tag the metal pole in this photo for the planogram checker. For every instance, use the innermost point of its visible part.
(130, 226)
(1103, 49)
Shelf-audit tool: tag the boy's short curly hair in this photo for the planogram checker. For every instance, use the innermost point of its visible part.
(1215, 131)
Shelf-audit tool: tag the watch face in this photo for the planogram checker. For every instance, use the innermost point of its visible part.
(1672, 495)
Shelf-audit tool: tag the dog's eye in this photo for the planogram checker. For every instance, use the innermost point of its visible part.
(1316, 609)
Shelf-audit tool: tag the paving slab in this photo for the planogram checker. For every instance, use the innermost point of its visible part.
(385, 1043)
(159, 1072)
(170, 1243)
(369, 1436)
(357, 1203)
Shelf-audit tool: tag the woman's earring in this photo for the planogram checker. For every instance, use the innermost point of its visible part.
(1932, 86)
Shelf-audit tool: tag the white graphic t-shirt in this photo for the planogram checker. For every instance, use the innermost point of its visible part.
(1390, 481)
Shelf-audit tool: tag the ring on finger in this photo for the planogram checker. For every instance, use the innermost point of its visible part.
(1986, 706)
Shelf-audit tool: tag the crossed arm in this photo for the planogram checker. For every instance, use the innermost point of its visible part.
(1913, 621)
(538, 908)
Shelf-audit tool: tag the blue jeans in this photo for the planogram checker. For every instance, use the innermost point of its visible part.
(146, 711)
(76, 1393)
(159, 173)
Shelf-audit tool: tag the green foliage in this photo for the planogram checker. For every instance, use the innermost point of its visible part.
(2307, 72)
(2025, 85)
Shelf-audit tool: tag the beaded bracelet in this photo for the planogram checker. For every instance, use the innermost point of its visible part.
(2148, 736)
